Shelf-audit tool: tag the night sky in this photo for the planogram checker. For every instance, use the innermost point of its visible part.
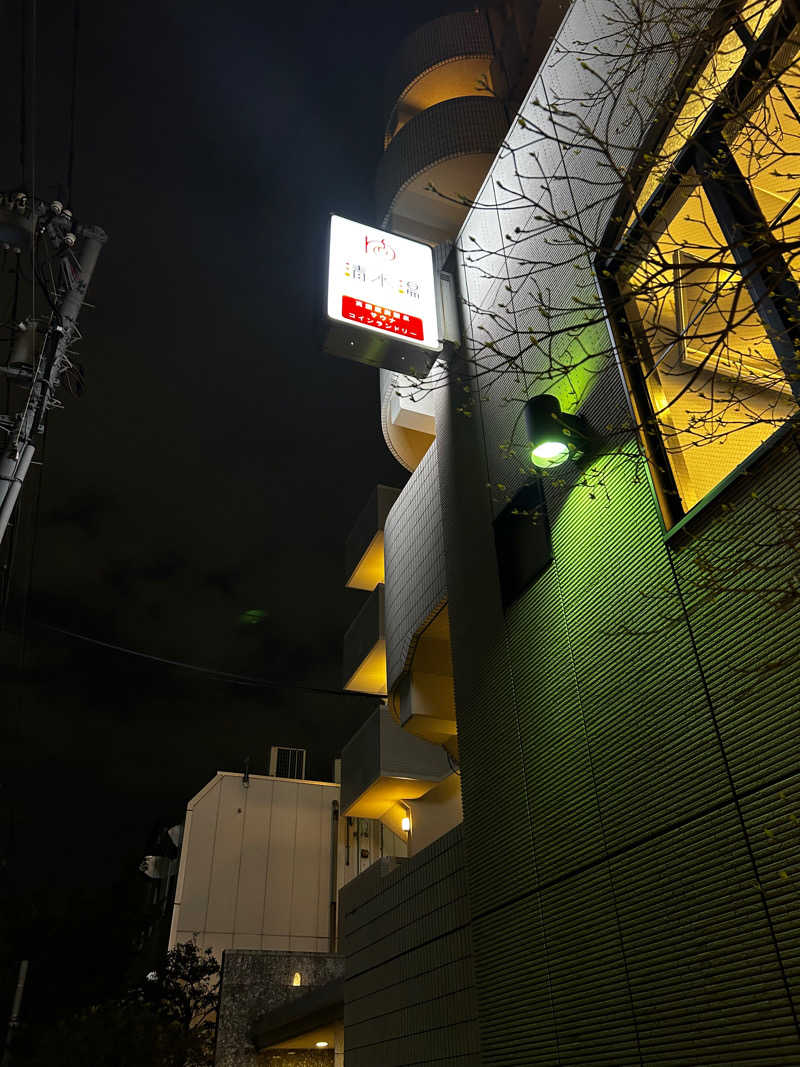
(218, 458)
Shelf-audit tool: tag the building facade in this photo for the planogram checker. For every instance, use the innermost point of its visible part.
(262, 860)
(612, 668)
(257, 865)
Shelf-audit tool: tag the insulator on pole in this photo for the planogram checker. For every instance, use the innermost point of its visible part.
(23, 350)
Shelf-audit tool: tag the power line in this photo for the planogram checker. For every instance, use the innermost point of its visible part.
(240, 679)
(73, 107)
(34, 535)
(23, 102)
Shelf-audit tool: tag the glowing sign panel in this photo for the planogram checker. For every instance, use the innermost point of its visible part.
(382, 283)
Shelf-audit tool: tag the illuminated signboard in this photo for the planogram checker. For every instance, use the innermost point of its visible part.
(382, 283)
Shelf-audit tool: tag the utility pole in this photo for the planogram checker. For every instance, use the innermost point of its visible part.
(74, 249)
(13, 1022)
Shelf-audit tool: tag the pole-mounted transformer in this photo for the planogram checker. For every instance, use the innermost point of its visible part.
(37, 361)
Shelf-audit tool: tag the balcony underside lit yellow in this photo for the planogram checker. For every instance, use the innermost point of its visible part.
(369, 571)
(428, 701)
(411, 445)
(435, 814)
(310, 1039)
(431, 728)
(465, 76)
(384, 793)
(370, 675)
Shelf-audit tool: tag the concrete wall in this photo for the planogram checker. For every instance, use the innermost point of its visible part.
(255, 865)
(253, 982)
(629, 780)
(435, 814)
(409, 996)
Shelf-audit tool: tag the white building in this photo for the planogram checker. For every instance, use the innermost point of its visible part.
(262, 861)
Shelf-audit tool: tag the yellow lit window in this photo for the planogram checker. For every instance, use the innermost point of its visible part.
(702, 96)
(766, 147)
(706, 90)
(716, 385)
(756, 14)
(711, 275)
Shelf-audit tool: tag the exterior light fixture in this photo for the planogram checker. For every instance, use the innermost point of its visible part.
(555, 436)
(297, 980)
(321, 1044)
(405, 822)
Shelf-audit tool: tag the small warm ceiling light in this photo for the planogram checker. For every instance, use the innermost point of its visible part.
(405, 823)
(322, 1044)
(554, 435)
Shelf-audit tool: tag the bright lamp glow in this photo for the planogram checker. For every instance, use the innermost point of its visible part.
(554, 435)
(322, 1044)
(405, 823)
(549, 453)
(297, 980)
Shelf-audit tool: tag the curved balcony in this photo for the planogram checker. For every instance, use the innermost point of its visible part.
(443, 59)
(424, 698)
(449, 146)
(416, 620)
(407, 418)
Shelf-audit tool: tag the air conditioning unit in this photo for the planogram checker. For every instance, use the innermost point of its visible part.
(287, 762)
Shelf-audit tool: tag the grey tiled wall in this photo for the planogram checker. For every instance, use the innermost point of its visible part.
(414, 559)
(409, 994)
(452, 128)
(629, 738)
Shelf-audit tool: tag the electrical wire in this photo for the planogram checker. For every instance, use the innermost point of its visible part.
(34, 536)
(8, 570)
(73, 107)
(240, 679)
(23, 100)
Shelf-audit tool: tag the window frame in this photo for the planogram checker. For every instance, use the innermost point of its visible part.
(735, 213)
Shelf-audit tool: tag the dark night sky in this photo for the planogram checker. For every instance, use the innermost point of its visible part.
(218, 458)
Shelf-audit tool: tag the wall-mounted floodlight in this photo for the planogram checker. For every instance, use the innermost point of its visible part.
(555, 436)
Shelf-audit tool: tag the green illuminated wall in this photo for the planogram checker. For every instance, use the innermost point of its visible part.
(628, 793)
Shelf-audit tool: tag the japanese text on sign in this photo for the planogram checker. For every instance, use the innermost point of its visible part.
(382, 318)
(382, 282)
